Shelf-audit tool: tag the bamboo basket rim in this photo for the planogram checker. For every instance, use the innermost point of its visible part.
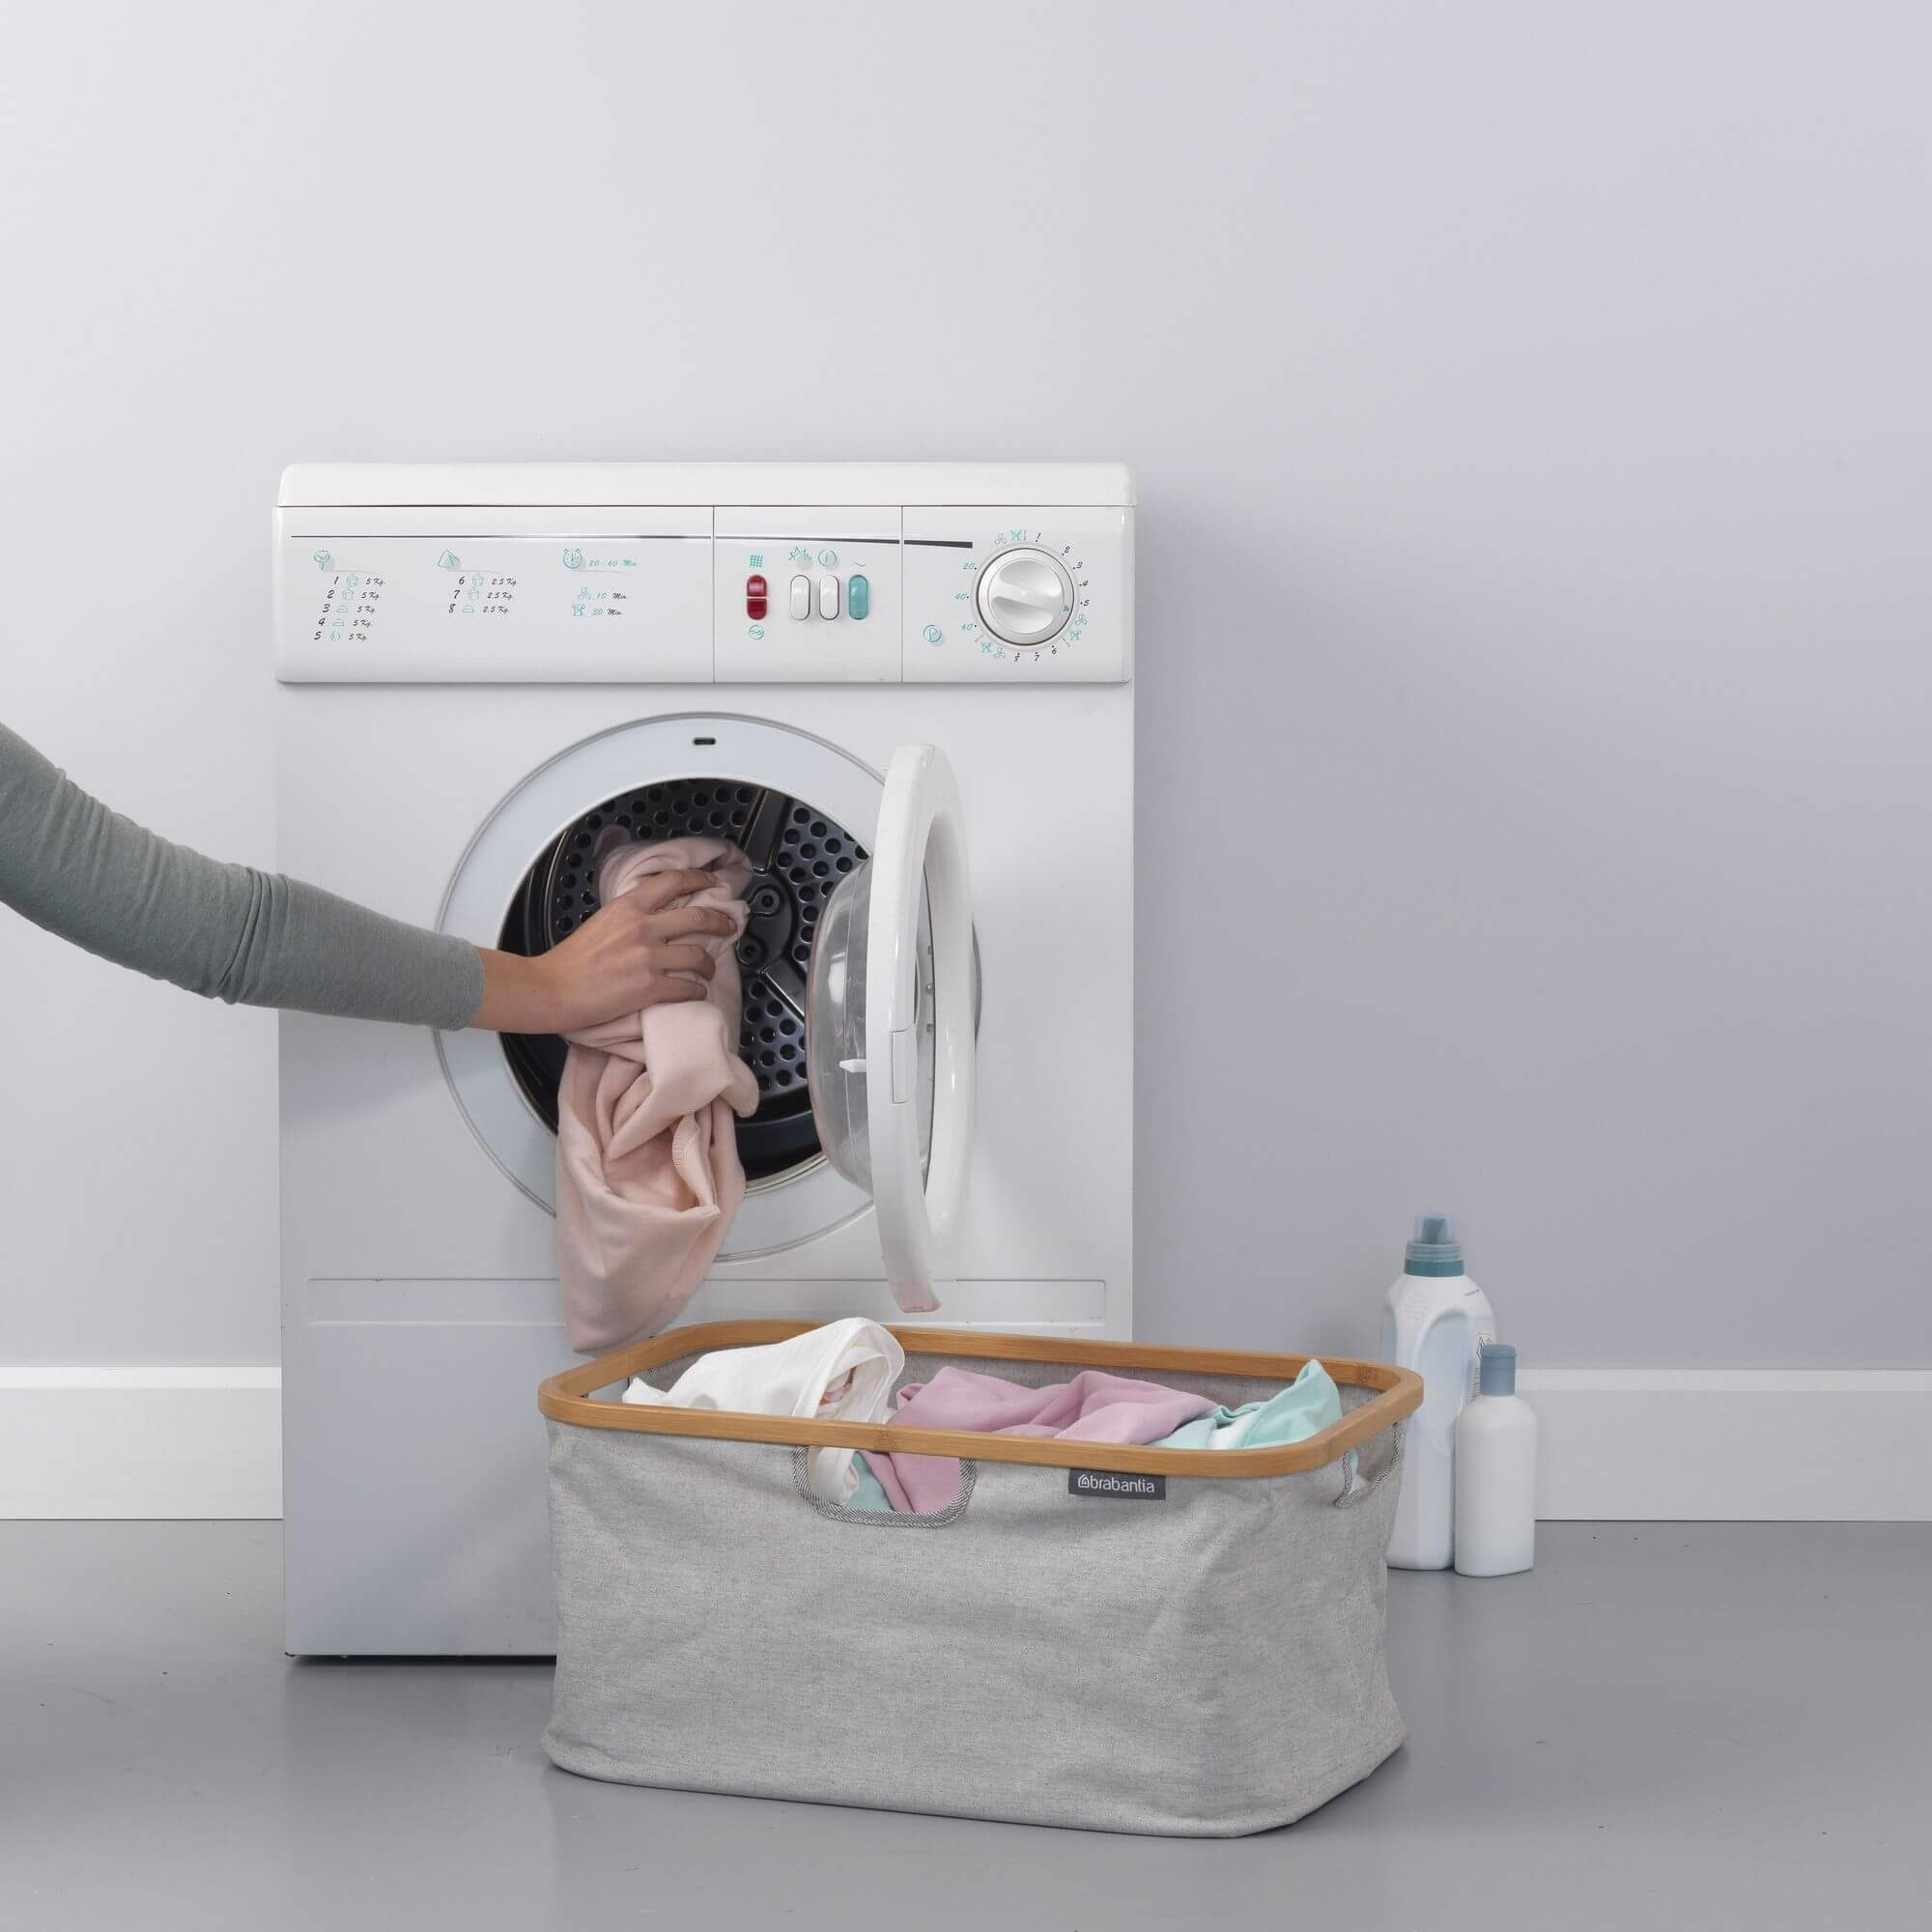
(567, 1398)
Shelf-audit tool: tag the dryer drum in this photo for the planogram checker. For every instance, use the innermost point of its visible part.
(798, 856)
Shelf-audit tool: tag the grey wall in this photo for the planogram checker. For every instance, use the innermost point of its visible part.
(1535, 449)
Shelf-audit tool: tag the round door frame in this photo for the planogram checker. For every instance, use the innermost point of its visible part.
(777, 1214)
(919, 852)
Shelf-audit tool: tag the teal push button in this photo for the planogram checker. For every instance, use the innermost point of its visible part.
(858, 597)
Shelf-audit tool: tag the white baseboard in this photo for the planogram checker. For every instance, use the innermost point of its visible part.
(1690, 1445)
(140, 1442)
(1823, 1445)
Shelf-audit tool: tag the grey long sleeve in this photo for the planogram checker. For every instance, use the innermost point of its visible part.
(227, 931)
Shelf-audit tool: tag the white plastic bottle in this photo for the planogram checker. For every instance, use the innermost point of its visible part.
(1434, 1322)
(1495, 1473)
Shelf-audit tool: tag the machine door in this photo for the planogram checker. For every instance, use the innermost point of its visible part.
(889, 1023)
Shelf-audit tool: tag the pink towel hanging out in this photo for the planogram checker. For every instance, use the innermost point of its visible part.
(647, 1168)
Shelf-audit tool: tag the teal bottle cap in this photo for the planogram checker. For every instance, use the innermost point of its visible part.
(1435, 1248)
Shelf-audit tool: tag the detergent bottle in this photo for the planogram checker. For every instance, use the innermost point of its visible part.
(1495, 1473)
(1435, 1321)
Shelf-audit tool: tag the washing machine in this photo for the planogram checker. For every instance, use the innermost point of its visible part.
(906, 691)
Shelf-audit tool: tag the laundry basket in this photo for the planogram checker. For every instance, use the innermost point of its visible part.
(1123, 1638)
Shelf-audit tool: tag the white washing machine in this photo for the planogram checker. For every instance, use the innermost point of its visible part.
(905, 690)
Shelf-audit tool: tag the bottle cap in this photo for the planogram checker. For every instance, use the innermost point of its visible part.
(1435, 1250)
(1497, 1369)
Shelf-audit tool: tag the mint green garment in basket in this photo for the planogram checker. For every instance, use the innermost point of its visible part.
(869, 1494)
(1306, 1407)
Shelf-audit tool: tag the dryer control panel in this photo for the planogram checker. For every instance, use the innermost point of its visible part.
(1010, 595)
(539, 574)
(806, 595)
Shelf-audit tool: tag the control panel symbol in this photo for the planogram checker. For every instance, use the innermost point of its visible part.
(827, 559)
(324, 559)
(933, 634)
(757, 632)
(448, 561)
(573, 559)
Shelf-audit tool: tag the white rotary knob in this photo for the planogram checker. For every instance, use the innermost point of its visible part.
(1025, 597)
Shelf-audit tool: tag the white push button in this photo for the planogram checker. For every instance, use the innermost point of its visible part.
(801, 597)
(827, 597)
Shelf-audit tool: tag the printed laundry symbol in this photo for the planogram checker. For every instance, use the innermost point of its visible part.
(448, 561)
(829, 558)
(757, 632)
(933, 634)
(573, 559)
(476, 580)
(324, 559)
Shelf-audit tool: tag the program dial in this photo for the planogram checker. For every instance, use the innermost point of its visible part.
(1025, 596)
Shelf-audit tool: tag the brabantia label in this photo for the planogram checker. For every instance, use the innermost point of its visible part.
(1123, 1488)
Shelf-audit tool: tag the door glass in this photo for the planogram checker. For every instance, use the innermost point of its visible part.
(835, 1028)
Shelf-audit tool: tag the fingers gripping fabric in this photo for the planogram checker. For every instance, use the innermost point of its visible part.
(647, 1168)
(798, 856)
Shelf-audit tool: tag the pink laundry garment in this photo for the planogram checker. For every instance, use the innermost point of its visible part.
(647, 1168)
(1095, 1406)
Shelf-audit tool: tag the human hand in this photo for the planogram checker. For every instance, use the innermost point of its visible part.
(638, 951)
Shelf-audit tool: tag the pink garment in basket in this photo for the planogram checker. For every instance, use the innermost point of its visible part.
(1095, 1406)
(647, 1168)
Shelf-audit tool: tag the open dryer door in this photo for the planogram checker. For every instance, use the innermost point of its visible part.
(888, 1039)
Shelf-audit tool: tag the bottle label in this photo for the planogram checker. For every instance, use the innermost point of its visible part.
(1476, 1366)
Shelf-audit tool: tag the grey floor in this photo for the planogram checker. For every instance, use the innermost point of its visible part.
(1663, 1726)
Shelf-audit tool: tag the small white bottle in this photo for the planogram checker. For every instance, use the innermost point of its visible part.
(1495, 1473)
(1435, 1321)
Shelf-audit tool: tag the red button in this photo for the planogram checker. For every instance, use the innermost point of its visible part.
(755, 589)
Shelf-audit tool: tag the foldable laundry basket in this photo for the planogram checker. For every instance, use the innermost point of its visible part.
(1123, 1638)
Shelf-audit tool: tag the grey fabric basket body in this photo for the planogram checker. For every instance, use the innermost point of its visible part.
(1210, 1661)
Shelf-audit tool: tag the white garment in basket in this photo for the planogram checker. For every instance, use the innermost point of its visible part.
(841, 1372)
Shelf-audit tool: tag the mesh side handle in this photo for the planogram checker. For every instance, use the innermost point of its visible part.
(887, 1518)
(1358, 1487)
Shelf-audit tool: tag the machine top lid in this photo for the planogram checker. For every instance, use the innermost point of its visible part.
(588, 485)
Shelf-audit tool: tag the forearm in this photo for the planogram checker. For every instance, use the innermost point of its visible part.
(227, 931)
(309, 951)
(518, 996)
